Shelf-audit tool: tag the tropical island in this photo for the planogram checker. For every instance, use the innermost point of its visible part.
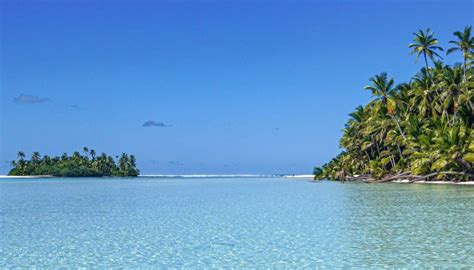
(88, 165)
(418, 130)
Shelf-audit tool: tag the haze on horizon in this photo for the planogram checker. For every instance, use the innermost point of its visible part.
(202, 87)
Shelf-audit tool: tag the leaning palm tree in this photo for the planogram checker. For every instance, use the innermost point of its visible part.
(383, 88)
(318, 173)
(464, 44)
(425, 44)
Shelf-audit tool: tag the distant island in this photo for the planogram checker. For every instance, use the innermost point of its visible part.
(418, 130)
(88, 165)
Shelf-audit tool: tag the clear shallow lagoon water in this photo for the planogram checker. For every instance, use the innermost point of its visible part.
(258, 223)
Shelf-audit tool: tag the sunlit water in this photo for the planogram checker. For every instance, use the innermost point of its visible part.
(252, 223)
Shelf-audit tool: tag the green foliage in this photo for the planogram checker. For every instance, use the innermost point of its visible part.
(425, 125)
(76, 165)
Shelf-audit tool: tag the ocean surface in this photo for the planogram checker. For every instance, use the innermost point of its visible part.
(233, 222)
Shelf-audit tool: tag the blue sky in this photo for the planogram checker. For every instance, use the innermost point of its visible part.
(224, 87)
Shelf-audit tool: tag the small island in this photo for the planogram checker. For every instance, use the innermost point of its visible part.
(87, 165)
(419, 130)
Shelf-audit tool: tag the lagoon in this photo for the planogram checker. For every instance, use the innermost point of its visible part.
(233, 222)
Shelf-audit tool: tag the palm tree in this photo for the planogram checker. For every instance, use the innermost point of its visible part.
(133, 161)
(465, 44)
(422, 94)
(85, 150)
(46, 160)
(425, 44)
(123, 163)
(354, 138)
(76, 156)
(21, 155)
(318, 173)
(382, 87)
(35, 157)
(449, 99)
(21, 162)
(92, 153)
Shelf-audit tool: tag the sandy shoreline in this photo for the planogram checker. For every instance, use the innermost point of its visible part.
(405, 181)
(309, 176)
(304, 176)
(25, 176)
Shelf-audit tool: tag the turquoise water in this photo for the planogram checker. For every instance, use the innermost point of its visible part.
(257, 223)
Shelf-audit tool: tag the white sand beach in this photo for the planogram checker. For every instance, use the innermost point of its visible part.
(25, 176)
(406, 181)
(304, 176)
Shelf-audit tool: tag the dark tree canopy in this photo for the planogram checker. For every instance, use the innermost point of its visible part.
(76, 165)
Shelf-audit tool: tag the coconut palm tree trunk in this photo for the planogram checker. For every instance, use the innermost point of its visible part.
(428, 69)
(399, 150)
(465, 68)
(376, 146)
(392, 161)
(426, 63)
(399, 127)
(367, 154)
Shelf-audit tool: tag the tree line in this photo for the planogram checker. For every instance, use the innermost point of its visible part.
(420, 129)
(87, 165)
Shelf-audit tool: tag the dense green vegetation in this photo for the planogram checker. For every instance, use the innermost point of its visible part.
(76, 165)
(421, 129)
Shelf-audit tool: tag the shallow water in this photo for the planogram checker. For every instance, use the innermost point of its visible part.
(259, 223)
